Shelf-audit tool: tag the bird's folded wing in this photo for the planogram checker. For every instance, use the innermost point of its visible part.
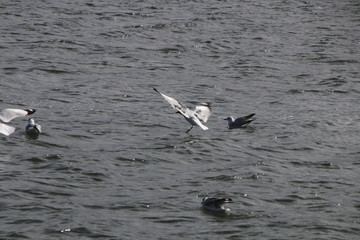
(38, 127)
(6, 130)
(8, 114)
(219, 200)
(203, 112)
(244, 120)
(239, 121)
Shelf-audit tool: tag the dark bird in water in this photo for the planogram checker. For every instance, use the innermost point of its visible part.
(32, 129)
(215, 204)
(239, 122)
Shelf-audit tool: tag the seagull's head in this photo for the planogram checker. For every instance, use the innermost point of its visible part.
(204, 199)
(230, 119)
(31, 122)
(205, 104)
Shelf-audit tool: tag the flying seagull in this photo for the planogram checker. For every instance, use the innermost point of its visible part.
(239, 122)
(215, 204)
(200, 114)
(9, 114)
(32, 129)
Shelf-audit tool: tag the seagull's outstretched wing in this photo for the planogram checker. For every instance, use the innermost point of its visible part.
(174, 103)
(203, 112)
(9, 114)
(6, 129)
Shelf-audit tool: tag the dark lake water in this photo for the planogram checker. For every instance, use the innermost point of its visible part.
(114, 161)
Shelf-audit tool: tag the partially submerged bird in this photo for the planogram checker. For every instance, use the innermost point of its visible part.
(9, 114)
(215, 204)
(196, 117)
(32, 129)
(239, 122)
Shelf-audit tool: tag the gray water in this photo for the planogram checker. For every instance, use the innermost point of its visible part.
(114, 161)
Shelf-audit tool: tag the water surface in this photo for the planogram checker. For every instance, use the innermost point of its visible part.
(114, 161)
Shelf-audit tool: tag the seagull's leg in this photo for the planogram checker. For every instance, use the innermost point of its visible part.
(190, 129)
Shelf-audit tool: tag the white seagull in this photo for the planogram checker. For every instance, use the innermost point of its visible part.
(9, 114)
(201, 113)
(215, 204)
(32, 129)
(239, 122)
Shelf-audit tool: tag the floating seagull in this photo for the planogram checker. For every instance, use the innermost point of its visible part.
(9, 114)
(201, 113)
(239, 122)
(215, 204)
(32, 129)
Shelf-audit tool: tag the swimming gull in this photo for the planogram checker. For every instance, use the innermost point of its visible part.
(9, 114)
(201, 113)
(32, 129)
(215, 204)
(239, 122)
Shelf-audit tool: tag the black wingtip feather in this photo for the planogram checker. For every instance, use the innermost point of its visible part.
(30, 111)
(249, 116)
(156, 90)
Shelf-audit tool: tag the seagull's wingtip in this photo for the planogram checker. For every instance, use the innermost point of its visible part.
(30, 111)
(249, 116)
(155, 89)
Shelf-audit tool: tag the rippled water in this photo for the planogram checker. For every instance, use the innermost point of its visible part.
(114, 161)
